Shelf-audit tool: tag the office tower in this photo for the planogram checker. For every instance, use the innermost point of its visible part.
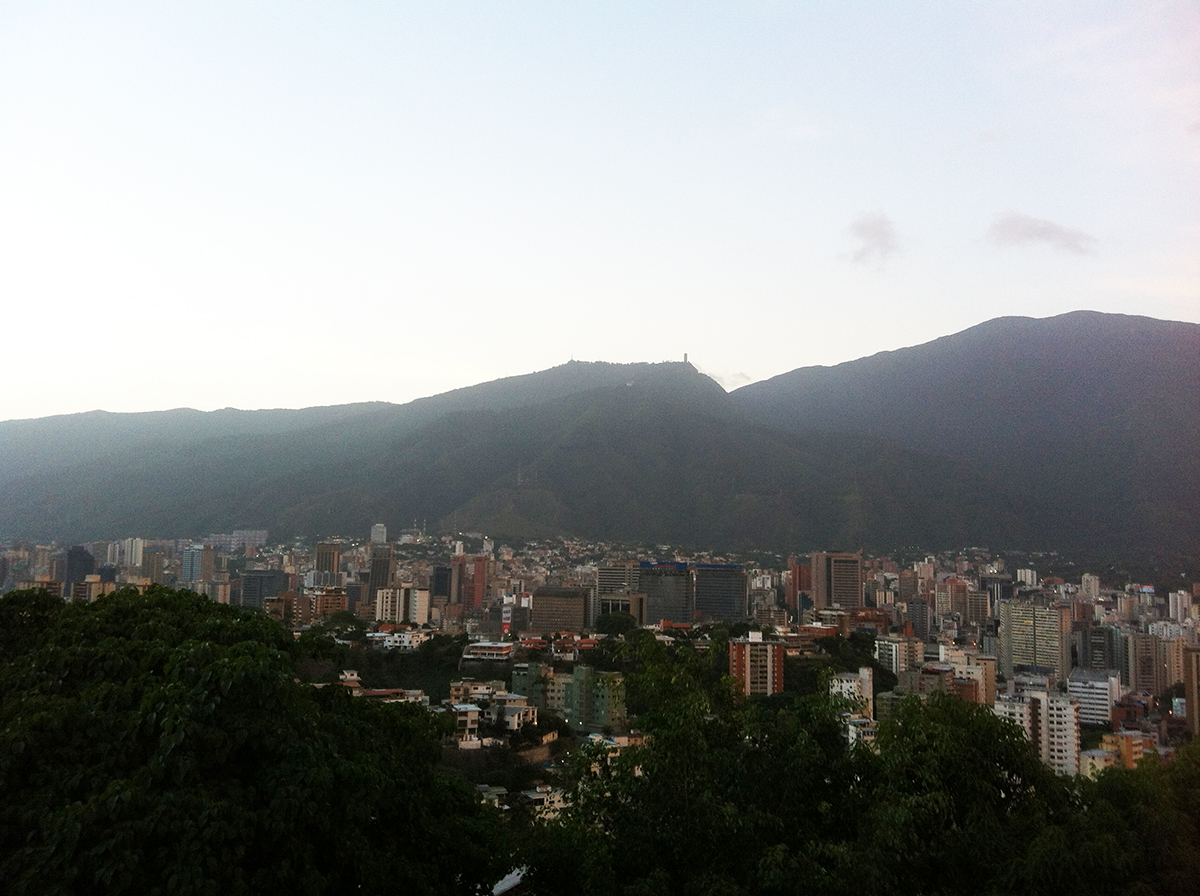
(1191, 689)
(799, 583)
(999, 586)
(80, 565)
(670, 592)
(617, 578)
(617, 591)
(379, 534)
(1099, 646)
(757, 664)
(383, 566)
(260, 585)
(837, 581)
(198, 564)
(721, 592)
(475, 586)
(440, 583)
(560, 608)
(328, 557)
(1090, 587)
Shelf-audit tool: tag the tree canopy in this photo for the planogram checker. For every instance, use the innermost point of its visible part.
(160, 743)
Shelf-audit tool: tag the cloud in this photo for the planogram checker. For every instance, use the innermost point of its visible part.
(877, 238)
(1016, 229)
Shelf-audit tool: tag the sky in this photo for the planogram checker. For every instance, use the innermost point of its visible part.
(299, 203)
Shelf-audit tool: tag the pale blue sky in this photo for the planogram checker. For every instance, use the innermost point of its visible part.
(289, 204)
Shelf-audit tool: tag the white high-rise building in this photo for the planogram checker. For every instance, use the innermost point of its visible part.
(1095, 690)
(1179, 605)
(379, 534)
(402, 604)
(132, 548)
(1090, 586)
(1051, 722)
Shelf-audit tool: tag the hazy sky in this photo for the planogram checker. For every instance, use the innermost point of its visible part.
(289, 204)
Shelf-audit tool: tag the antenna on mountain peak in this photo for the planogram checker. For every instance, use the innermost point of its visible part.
(685, 357)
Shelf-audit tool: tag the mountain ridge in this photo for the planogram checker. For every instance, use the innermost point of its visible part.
(959, 440)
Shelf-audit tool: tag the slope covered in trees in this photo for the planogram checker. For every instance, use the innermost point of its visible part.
(1078, 433)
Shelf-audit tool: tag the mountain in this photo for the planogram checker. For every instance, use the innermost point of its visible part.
(1098, 414)
(951, 443)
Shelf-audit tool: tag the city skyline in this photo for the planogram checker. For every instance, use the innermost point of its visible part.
(218, 206)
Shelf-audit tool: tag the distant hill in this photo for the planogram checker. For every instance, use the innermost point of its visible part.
(1098, 414)
(993, 436)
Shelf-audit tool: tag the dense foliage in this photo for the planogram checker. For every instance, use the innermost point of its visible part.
(763, 796)
(160, 744)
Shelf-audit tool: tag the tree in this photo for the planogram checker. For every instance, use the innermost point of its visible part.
(159, 743)
(616, 623)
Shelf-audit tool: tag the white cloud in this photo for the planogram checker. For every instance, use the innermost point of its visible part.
(876, 235)
(1016, 229)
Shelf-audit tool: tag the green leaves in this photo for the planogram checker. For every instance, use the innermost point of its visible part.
(159, 744)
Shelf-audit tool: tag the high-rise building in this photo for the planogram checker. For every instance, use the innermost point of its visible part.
(198, 563)
(379, 534)
(1099, 646)
(1033, 635)
(259, 585)
(617, 590)
(328, 557)
(383, 566)
(1051, 722)
(757, 664)
(721, 592)
(1095, 690)
(131, 549)
(80, 565)
(1089, 586)
(1144, 671)
(670, 592)
(799, 582)
(616, 578)
(1191, 689)
(837, 581)
(560, 608)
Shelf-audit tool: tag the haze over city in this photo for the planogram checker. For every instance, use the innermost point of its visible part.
(214, 205)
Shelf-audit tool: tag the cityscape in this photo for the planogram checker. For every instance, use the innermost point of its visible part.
(536, 662)
(600, 449)
(1057, 657)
